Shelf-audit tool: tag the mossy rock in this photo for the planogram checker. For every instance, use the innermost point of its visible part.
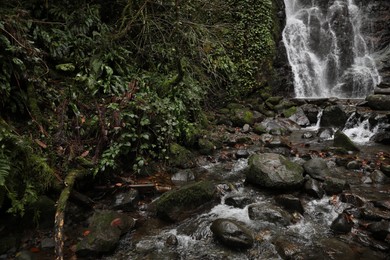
(285, 104)
(241, 117)
(342, 140)
(289, 112)
(274, 100)
(259, 129)
(206, 147)
(181, 157)
(232, 106)
(176, 205)
(263, 109)
(105, 228)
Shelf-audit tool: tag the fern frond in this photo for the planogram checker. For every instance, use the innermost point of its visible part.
(5, 169)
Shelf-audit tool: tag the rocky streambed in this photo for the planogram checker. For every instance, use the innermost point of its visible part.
(280, 179)
(277, 187)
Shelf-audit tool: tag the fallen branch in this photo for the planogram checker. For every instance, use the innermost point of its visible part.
(60, 212)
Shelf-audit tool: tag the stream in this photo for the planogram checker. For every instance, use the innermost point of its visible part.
(307, 236)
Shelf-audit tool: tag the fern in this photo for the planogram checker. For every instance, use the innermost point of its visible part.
(5, 168)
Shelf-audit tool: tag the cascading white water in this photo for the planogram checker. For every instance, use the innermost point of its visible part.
(327, 53)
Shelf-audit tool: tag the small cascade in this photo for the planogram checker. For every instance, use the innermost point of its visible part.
(317, 125)
(359, 129)
(327, 52)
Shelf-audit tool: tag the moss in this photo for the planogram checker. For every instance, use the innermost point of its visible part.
(206, 147)
(186, 198)
(274, 100)
(259, 129)
(342, 140)
(289, 112)
(241, 117)
(180, 156)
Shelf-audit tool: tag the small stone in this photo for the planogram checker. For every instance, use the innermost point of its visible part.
(242, 154)
(245, 128)
(354, 165)
(171, 240)
(307, 135)
(47, 243)
(342, 224)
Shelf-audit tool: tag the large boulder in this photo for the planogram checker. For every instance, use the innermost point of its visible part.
(178, 204)
(181, 157)
(317, 168)
(104, 231)
(343, 141)
(232, 233)
(272, 170)
(271, 214)
(379, 102)
(333, 116)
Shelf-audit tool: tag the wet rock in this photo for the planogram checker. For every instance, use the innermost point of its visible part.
(311, 112)
(333, 116)
(105, 228)
(126, 201)
(381, 138)
(242, 154)
(271, 214)
(171, 240)
(380, 230)
(378, 176)
(325, 133)
(274, 171)
(354, 165)
(290, 203)
(385, 168)
(313, 188)
(383, 204)
(300, 118)
(378, 102)
(317, 168)
(307, 135)
(183, 177)
(369, 212)
(181, 157)
(273, 141)
(334, 186)
(237, 201)
(287, 247)
(279, 126)
(352, 199)
(342, 224)
(342, 140)
(178, 204)
(333, 248)
(232, 233)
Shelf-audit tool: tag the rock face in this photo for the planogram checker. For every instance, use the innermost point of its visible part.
(232, 233)
(274, 171)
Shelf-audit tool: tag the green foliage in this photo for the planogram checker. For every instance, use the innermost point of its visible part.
(124, 79)
(252, 44)
(23, 173)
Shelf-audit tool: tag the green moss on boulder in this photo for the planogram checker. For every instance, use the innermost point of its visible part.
(177, 204)
(181, 157)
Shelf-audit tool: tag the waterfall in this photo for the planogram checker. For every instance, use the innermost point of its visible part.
(326, 50)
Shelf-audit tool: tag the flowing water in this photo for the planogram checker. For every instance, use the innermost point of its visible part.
(327, 53)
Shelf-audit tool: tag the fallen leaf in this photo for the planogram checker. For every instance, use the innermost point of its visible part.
(34, 250)
(41, 144)
(86, 233)
(84, 154)
(116, 222)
